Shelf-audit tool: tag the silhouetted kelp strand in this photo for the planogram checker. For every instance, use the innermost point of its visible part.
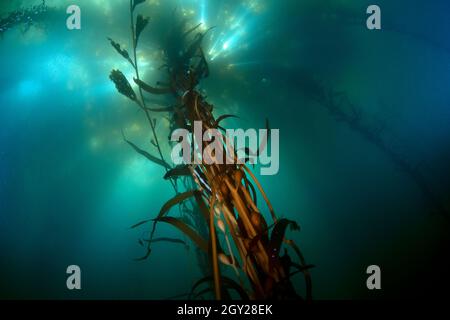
(140, 25)
(336, 103)
(22, 16)
(122, 84)
(123, 52)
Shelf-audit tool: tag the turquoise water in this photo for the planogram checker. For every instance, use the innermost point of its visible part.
(70, 187)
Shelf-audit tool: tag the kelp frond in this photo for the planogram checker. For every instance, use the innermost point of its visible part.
(122, 84)
(224, 196)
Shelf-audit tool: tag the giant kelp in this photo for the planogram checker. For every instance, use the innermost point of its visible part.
(224, 195)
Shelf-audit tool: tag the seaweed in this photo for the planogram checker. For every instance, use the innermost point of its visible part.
(221, 200)
(120, 81)
(25, 17)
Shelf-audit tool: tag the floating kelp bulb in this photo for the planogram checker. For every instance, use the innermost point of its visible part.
(221, 225)
(225, 259)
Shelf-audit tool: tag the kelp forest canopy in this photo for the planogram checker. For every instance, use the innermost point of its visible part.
(219, 208)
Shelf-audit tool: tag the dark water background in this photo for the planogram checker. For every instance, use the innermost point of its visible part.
(70, 187)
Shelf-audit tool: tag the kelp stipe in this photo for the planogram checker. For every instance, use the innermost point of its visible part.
(224, 196)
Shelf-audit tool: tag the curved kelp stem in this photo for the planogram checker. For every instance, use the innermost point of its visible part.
(142, 104)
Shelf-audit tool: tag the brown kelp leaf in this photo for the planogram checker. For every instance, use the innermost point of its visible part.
(140, 223)
(144, 257)
(259, 237)
(262, 192)
(306, 274)
(179, 198)
(226, 283)
(277, 236)
(122, 52)
(122, 84)
(165, 239)
(223, 117)
(141, 23)
(151, 89)
(188, 231)
(148, 155)
(253, 191)
(174, 201)
(178, 171)
(297, 251)
(164, 210)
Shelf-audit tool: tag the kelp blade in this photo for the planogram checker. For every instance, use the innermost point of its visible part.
(123, 52)
(179, 171)
(148, 155)
(279, 231)
(166, 239)
(141, 23)
(167, 206)
(188, 231)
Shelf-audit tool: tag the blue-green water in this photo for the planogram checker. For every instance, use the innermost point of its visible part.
(70, 187)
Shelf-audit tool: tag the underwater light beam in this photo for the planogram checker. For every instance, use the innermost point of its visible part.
(203, 12)
(229, 40)
(246, 63)
(29, 88)
(226, 45)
